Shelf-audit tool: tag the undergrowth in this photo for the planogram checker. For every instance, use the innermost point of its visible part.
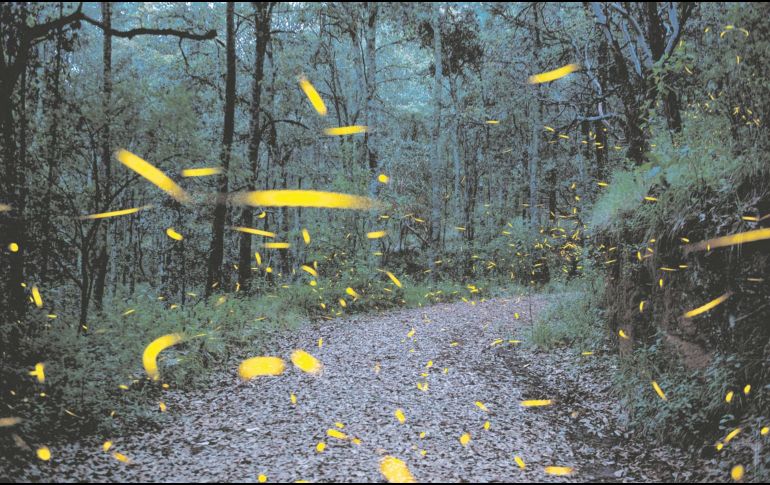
(94, 378)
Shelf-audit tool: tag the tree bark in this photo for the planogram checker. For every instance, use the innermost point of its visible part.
(370, 34)
(435, 163)
(216, 252)
(262, 18)
(102, 259)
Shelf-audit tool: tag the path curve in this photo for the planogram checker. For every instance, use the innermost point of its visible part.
(237, 431)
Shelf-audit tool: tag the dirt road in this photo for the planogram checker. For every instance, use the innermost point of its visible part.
(459, 354)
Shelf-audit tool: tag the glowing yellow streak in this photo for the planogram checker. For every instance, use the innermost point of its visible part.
(558, 470)
(732, 434)
(36, 297)
(394, 279)
(256, 232)
(659, 390)
(306, 362)
(737, 472)
(313, 96)
(465, 439)
(708, 306)
(150, 356)
(306, 236)
(120, 457)
(519, 462)
(536, 402)
(493, 122)
(740, 238)
(201, 172)
(350, 291)
(553, 75)
(376, 234)
(277, 245)
(333, 433)
(117, 213)
(170, 232)
(309, 270)
(383, 179)
(346, 130)
(395, 470)
(304, 198)
(152, 174)
(261, 366)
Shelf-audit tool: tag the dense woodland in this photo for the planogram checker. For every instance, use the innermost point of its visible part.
(597, 186)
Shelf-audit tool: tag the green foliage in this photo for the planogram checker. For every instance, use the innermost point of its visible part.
(704, 180)
(694, 412)
(572, 318)
(98, 376)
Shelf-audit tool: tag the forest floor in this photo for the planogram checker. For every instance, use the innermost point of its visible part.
(237, 431)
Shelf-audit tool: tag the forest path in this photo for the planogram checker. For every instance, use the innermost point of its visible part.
(237, 431)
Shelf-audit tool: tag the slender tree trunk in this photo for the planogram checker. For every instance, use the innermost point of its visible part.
(13, 304)
(534, 147)
(370, 34)
(216, 252)
(262, 18)
(455, 140)
(103, 260)
(435, 163)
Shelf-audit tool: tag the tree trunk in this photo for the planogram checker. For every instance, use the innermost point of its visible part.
(216, 252)
(103, 260)
(534, 147)
(435, 163)
(262, 18)
(370, 34)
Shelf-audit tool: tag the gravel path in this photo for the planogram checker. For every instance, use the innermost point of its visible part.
(372, 365)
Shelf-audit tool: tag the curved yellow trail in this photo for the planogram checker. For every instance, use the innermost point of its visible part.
(553, 75)
(708, 306)
(150, 356)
